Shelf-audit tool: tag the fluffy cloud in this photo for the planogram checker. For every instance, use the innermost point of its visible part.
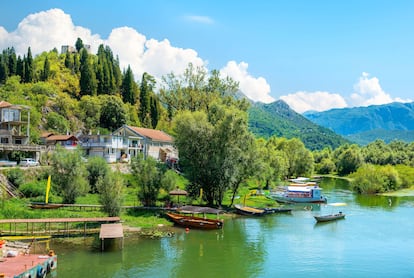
(256, 89)
(369, 92)
(315, 101)
(46, 30)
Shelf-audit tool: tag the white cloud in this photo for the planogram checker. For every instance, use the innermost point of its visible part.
(316, 101)
(254, 88)
(369, 92)
(45, 30)
(199, 19)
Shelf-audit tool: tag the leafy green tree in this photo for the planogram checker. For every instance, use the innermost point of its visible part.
(169, 180)
(113, 113)
(148, 176)
(195, 90)
(68, 174)
(57, 123)
(212, 148)
(301, 162)
(348, 159)
(96, 168)
(372, 179)
(111, 187)
(90, 111)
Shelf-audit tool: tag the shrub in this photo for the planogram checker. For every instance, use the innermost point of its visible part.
(16, 176)
(33, 189)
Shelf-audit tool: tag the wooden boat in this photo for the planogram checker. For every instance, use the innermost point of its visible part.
(45, 206)
(188, 221)
(244, 210)
(277, 210)
(330, 217)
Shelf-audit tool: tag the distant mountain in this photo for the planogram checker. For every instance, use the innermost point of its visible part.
(278, 119)
(366, 124)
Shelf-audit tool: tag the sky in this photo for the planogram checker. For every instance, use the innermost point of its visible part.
(313, 54)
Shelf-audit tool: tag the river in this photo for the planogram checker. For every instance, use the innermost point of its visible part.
(376, 239)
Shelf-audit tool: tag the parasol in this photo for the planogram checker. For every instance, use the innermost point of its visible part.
(178, 192)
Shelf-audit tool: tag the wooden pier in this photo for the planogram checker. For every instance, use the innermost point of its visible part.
(111, 231)
(53, 226)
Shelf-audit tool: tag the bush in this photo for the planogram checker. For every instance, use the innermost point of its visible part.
(16, 176)
(33, 189)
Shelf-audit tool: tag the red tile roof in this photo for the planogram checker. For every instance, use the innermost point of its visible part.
(61, 138)
(153, 134)
(4, 104)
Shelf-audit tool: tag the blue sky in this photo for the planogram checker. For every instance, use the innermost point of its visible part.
(315, 55)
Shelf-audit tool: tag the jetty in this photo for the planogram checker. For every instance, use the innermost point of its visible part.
(53, 226)
(111, 231)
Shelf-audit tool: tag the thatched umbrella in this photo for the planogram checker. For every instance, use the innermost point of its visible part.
(178, 192)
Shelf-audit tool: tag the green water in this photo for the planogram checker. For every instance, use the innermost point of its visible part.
(375, 240)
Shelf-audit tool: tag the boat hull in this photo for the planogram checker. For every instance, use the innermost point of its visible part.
(330, 217)
(195, 222)
(291, 200)
(249, 211)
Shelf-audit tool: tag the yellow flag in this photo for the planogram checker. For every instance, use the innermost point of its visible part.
(47, 189)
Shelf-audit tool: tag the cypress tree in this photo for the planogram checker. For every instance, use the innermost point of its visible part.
(127, 89)
(155, 115)
(46, 70)
(87, 81)
(28, 67)
(147, 84)
(79, 45)
(20, 68)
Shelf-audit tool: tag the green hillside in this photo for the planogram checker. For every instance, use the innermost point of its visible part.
(277, 119)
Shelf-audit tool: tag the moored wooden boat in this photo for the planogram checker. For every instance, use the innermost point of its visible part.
(244, 210)
(278, 210)
(188, 221)
(45, 206)
(329, 217)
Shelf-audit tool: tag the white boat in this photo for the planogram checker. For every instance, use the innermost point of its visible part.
(299, 193)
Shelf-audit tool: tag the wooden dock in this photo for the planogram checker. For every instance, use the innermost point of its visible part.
(111, 231)
(52, 226)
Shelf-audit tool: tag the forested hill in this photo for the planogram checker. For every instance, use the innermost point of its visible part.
(394, 121)
(278, 119)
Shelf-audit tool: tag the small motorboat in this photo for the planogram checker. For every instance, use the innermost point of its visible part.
(330, 217)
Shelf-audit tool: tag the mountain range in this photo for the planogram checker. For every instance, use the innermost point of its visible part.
(362, 125)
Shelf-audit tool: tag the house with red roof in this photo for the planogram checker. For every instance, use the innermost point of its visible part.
(153, 143)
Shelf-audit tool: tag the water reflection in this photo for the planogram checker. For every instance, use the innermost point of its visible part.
(375, 231)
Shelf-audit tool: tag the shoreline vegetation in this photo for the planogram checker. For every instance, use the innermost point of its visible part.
(138, 219)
